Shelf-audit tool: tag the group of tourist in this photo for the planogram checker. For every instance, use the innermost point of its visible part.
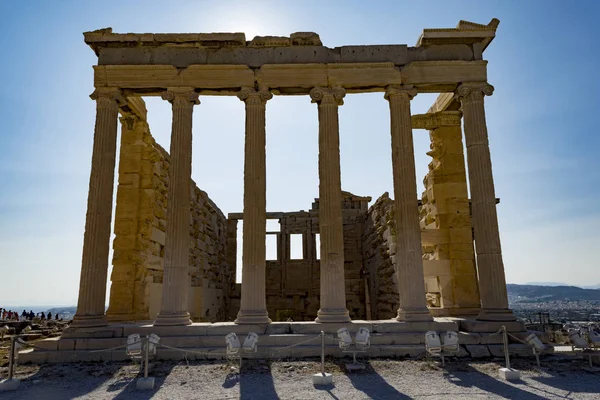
(10, 315)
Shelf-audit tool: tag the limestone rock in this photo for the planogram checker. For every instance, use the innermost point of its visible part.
(270, 41)
(305, 39)
(477, 350)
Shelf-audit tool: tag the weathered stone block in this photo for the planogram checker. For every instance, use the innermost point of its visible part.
(478, 351)
(129, 179)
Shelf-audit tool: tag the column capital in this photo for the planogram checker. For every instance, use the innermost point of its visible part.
(253, 97)
(474, 90)
(181, 96)
(129, 120)
(400, 93)
(109, 95)
(322, 95)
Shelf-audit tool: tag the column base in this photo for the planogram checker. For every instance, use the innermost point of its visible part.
(464, 312)
(173, 319)
(88, 321)
(496, 314)
(123, 317)
(252, 317)
(413, 314)
(329, 315)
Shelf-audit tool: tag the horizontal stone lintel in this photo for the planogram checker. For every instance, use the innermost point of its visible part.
(291, 79)
(182, 50)
(182, 56)
(436, 120)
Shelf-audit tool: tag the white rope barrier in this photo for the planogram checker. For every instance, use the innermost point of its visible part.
(203, 353)
(116, 347)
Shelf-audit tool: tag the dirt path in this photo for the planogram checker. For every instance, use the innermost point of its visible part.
(383, 379)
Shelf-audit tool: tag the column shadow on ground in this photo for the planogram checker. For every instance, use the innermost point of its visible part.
(373, 385)
(255, 381)
(468, 377)
(327, 389)
(586, 382)
(49, 381)
(127, 387)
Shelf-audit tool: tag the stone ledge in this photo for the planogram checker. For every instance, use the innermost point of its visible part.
(490, 326)
(478, 351)
(270, 351)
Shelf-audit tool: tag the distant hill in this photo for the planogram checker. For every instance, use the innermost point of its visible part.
(562, 284)
(546, 284)
(592, 287)
(536, 293)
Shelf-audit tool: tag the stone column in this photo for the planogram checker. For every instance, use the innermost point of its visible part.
(253, 306)
(333, 288)
(409, 264)
(492, 283)
(176, 280)
(96, 239)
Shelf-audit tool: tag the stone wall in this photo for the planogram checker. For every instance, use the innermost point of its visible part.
(211, 273)
(378, 249)
(448, 261)
(138, 258)
(293, 285)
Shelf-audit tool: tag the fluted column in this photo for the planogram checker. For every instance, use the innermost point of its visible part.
(96, 239)
(409, 264)
(176, 281)
(492, 282)
(253, 307)
(333, 287)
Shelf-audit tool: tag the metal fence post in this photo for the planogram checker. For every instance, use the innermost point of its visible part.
(505, 340)
(11, 383)
(11, 358)
(322, 378)
(145, 383)
(322, 352)
(146, 356)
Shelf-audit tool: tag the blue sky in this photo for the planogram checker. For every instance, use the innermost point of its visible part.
(543, 63)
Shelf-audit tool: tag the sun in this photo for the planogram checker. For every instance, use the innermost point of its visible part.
(251, 20)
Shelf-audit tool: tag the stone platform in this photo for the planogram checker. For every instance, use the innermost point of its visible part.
(389, 338)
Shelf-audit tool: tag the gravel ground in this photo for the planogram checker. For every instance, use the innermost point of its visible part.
(383, 379)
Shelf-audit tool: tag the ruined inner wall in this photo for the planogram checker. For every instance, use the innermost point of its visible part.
(138, 258)
(293, 285)
(448, 258)
(378, 251)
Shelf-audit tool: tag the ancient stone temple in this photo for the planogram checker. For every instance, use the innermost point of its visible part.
(409, 263)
